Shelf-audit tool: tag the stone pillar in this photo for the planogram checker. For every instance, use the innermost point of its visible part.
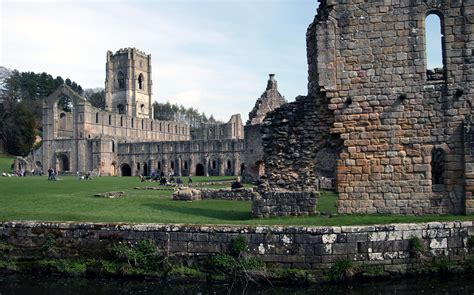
(180, 167)
(221, 163)
(206, 166)
(236, 165)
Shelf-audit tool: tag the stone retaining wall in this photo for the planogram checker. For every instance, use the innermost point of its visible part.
(284, 203)
(291, 246)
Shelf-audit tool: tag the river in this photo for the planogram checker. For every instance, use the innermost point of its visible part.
(26, 284)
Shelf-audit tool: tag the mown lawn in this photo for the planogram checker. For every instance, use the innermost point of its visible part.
(68, 199)
(6, 162)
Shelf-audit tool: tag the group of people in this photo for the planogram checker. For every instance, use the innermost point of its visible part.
(165, 180)
(52, 174)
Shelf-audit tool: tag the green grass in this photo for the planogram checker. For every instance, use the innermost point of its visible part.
(6, 162)
(35, 198)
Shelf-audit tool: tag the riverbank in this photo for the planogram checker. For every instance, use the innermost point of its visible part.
(250, 253)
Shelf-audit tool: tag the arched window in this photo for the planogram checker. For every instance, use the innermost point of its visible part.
(113, 146)
(138, 166)
(185, 165)
(229, 164)
(121, 121)
(434, 42)
(140, 81)
(159, 165)
(169, 128)
(160, 128)
(121, 109)
(142, 108)
(97, 117)
(132, 122)
(437, 166)
(176, 129)
(214, 164)
(151, 125)
(110, 119)
(121, 80)
(172, 165)
(142, 124)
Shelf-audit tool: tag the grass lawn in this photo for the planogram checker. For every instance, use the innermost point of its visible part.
(6, 162)
(35, 198)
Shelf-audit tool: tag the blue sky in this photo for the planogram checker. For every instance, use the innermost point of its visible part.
(211, 54)
(214, 55)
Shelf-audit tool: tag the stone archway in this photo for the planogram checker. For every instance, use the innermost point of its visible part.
(199, 170)
(126, 170)
(145, 169)
(63, 163)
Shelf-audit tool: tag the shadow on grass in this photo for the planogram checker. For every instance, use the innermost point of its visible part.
(203, 212)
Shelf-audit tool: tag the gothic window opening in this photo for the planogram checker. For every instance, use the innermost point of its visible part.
(214, 165)
(138, 166)
(151, 126)
(140, 81)
(121, 109)
(434, 42)
(121, 80)
(176, 129)
(185, 165)
(97, 117)
(437, 166)
(110, 119)
(121, 121)
(142, 108)
(229, 164)
(172, 165)
(142, 124)
(113, 146)
(132, 122)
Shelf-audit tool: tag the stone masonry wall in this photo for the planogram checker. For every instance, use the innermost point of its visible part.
(284, 203)
(241, 194)
(401, 131)
(293, 246)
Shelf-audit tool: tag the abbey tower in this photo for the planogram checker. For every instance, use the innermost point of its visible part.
(128, 85)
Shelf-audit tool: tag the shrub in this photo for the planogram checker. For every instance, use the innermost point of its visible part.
(415, 245)
(142, 255)
(341, 270)
(238, 246)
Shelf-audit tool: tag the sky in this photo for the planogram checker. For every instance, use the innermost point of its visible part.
(210, 54)
(214, 55)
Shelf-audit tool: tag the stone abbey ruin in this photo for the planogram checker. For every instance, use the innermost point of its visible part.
(395, 136)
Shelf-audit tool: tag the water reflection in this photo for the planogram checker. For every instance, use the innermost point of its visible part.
(52, 285)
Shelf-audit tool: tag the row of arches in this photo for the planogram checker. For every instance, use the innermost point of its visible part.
(126, 169)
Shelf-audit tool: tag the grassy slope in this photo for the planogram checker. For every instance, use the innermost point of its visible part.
(6, 162)
(35, 198)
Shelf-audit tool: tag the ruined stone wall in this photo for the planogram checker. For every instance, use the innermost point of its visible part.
(217, 157)
(292, 137)
(233, 129)
(387, 246)
(401, 131)
(284, 203)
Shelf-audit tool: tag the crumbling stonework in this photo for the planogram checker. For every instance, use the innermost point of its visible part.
(397, 124)
(240, 194)
(284, 203)
(270, 100)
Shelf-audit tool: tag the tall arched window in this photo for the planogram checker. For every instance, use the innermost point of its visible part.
(121, 121)
(110, 119)
(437, 166)
(113, 146)
(214, 164)
(434, 42)
(142, 124)
(151, 125)
(140, 81)
(229, 164)
(132, 122)
(97, 117)
(121, 80)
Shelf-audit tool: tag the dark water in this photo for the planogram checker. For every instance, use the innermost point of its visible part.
(38, 285)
